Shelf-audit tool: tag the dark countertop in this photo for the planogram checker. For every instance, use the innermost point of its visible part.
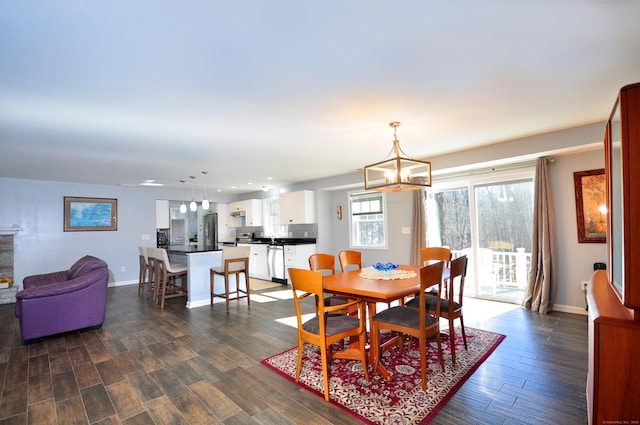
(284, 241)
(189, 249)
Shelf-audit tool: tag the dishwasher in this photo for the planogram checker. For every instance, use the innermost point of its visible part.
(275, 257)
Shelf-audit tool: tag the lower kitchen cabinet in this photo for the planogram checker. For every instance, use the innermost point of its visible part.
(258, 263)
(297, 256)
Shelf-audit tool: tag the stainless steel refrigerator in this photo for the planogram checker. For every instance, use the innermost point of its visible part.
(210, 231)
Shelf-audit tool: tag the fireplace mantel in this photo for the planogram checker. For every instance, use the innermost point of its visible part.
(9, 230)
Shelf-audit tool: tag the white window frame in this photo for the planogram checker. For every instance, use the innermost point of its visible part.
(352, 243)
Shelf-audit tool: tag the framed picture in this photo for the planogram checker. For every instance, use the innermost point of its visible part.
(591, 205)
(83, 214)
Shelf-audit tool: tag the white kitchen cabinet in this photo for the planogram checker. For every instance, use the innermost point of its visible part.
(258, 264)
(297, 207)
(297, 256)
(252, 213)
(162, 213)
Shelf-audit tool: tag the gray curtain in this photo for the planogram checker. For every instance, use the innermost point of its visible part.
(419, 235)
(542, 277)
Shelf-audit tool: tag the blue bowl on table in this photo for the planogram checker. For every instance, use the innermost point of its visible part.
(385, 267)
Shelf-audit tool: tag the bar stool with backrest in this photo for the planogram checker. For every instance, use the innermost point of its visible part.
(418, 323)
(143, 275)
(165, 278)
(151, 262)
(451, 304)
(327, 326)
(235, 262)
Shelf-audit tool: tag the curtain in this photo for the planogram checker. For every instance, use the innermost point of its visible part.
(542, 277)
(419, 235)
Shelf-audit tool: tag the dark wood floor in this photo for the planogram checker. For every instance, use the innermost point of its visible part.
(202, 366)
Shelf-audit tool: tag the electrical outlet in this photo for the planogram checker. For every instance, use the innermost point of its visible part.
(123, 269)
(585, 284)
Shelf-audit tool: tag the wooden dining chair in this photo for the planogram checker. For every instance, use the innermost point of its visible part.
(451, 305)
(166, 275)
(326, 264)
(235, 262)
(327, 326)
(418, 323)
(437, 253)
(350, 260)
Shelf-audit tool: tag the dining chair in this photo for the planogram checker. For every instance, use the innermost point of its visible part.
(326, 264)
(451, 305)
(165, 275)
(438, 253)
(327, 326)
(350, 260)
(235, 262)
(418, 323)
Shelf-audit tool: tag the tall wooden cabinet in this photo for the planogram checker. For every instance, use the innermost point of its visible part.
(613, 296)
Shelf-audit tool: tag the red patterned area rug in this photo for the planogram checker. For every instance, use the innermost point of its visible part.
(402, 400)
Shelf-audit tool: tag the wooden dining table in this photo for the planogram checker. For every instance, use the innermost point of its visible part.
(351, 285)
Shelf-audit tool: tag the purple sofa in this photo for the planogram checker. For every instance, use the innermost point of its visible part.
(63, 301)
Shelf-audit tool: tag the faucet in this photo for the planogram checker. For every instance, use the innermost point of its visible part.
(273, 239)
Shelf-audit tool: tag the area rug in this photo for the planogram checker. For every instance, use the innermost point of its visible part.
(402, 400)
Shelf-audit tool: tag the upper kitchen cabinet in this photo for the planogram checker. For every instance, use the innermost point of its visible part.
(298, 207)
(162, 213)
(245, 213)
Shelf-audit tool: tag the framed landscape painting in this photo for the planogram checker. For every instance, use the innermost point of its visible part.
(591, 205)
(88, 214)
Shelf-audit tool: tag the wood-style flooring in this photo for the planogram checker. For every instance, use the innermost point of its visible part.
(202, 366)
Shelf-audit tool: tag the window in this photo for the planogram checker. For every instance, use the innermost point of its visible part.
(367, 220)
(271, 218)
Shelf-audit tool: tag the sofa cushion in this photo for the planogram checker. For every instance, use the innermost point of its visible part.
(84, 266)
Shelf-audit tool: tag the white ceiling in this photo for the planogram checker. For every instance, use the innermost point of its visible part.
(118, 92)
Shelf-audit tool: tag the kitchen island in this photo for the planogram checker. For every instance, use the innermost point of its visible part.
(199, 261)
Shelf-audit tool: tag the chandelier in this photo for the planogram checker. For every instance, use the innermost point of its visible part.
(397, 173)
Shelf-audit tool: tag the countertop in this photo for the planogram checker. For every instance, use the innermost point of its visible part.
(284, 241)
(189, 249)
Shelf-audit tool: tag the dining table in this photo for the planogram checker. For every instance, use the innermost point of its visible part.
(371, 287)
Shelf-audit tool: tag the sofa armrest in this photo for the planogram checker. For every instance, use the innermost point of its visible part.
(39, 280)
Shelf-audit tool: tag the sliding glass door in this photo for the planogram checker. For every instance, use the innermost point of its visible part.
(489, 219)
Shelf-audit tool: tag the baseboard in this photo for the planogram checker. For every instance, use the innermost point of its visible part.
(123, 283)
(570, 309)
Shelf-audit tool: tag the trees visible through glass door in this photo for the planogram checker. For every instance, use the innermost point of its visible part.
(491, 224)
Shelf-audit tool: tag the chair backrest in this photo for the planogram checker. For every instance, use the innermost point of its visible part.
(458, 271)
(430, 277)
(305, 283)
(435, 253)
(161, 255)
(323, 263)
(142, 250)
(234, 252)
(350, 260)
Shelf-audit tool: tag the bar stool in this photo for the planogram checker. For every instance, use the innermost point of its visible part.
(166, 273)
(235, 261)
(144, 274)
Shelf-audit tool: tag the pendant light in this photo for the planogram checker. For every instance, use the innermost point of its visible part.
(183, 206)
(205, 201)
(396, 173)
(193, 206)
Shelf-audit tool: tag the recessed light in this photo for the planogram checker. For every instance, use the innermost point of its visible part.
(150, 183)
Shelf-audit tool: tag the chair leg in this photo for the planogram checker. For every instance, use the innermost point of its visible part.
(325, 370)
(211, 280)
(452, 342)
(423, 362)
(464, 336)
(226, 291)
(246, 279)
(299, 365)
(440, 356)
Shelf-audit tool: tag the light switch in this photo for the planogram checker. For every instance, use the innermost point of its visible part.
(406, 230)
(145, 237)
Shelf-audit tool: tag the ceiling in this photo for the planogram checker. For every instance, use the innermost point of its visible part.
(277, 92)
